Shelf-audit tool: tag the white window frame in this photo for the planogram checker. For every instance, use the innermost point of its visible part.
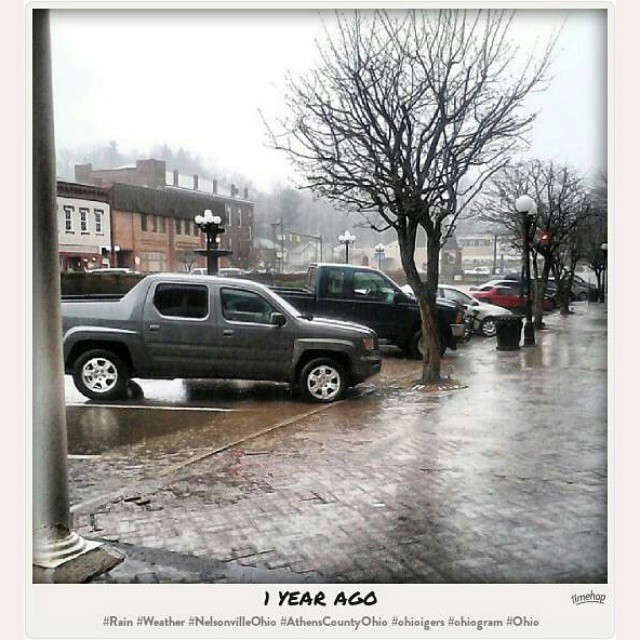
(84, 223)
(98, 217)
(68, 218)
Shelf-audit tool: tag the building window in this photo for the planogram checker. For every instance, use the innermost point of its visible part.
(178, 227)
(83, 220)
(187, 228)
(143, 222)
(68, 219)
(98, 220)
(239, 216)
(154, 224)
(163, 225)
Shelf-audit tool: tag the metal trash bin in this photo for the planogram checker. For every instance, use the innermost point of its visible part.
(508, 332)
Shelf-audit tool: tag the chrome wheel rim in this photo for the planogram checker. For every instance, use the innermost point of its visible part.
(323, 382)
(99, 375)
(489, 328)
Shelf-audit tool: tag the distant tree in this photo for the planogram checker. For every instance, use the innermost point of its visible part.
(595, 233)
(404, 118)
(187, 259)
(563, 209)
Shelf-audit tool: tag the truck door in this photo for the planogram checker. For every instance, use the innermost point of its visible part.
(374, 305)
(249, 346)
(179, 330)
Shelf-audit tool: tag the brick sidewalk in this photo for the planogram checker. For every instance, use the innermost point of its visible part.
(472, 485)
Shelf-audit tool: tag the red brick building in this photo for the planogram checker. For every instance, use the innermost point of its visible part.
(152, 222)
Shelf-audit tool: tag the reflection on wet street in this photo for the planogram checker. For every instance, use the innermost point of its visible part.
(501, 481)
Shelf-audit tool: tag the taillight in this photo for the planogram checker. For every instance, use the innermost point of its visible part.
(459, 317)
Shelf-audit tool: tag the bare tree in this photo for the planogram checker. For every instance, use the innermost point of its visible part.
(563, 210)
(404, 118)
(187, 258)
(594, 233)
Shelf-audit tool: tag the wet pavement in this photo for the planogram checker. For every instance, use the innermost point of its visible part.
(502, 481)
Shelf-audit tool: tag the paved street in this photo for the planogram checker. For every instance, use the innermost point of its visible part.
(502, 481)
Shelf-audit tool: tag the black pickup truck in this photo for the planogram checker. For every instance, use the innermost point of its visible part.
(184, 326)
(367, 296)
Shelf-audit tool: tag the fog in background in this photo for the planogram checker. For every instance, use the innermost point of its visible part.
(187, 87)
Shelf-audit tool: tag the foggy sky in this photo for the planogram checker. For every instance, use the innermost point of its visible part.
(196, 79)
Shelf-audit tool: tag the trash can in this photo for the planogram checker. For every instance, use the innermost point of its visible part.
(508, 330)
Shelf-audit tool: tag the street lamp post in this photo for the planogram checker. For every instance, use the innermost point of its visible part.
(379, 249)
(346, 239)
(604, 247)
(211, 226)
(526, 206)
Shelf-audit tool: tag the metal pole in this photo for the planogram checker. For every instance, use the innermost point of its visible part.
(346, 248)
(53, 541)
(495, 252)
(529, 331)
(210, 265)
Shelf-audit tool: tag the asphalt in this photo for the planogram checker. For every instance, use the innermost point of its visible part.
(503, 480)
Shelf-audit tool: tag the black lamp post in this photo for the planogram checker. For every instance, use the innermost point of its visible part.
(346, 239)
(211, 226)
(603, 248)
(526, 206)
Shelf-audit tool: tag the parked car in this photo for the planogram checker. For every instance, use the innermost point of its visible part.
(583, 290)
(182, 326)
(481, 315)
(489, 284)
(507, 297)
(477, 271)
(371, 298)
(225, 272)
(108, 271)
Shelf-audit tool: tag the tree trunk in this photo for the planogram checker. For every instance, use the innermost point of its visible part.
(539, 294)
(425, 293)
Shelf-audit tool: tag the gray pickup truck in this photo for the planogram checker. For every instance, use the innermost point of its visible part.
(184, 326)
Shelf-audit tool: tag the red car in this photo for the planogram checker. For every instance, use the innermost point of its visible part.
(506, 297)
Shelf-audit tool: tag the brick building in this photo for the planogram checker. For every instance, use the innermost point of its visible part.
(153, 211)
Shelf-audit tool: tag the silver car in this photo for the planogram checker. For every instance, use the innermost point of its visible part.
(482, 314)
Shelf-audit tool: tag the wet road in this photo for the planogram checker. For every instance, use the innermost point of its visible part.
(171, 423)
(504, 480)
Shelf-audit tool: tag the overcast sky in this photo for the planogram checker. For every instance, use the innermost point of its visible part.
(197, 80)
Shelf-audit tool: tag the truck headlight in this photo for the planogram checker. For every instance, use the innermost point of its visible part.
(370, 344)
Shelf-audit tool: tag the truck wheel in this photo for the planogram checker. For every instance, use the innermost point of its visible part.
(415, 349)
(323, 380)
(488, 327)
(100, 375)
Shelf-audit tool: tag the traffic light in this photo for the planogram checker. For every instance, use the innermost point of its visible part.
(545, 238)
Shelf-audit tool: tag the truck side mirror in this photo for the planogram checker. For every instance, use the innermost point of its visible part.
(278, 319)
(399, 297)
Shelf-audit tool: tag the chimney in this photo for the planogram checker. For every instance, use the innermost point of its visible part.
(246, 193)
(195, 181)
(234, 191)
(83, 173)
(215, 186)
(176, 182)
